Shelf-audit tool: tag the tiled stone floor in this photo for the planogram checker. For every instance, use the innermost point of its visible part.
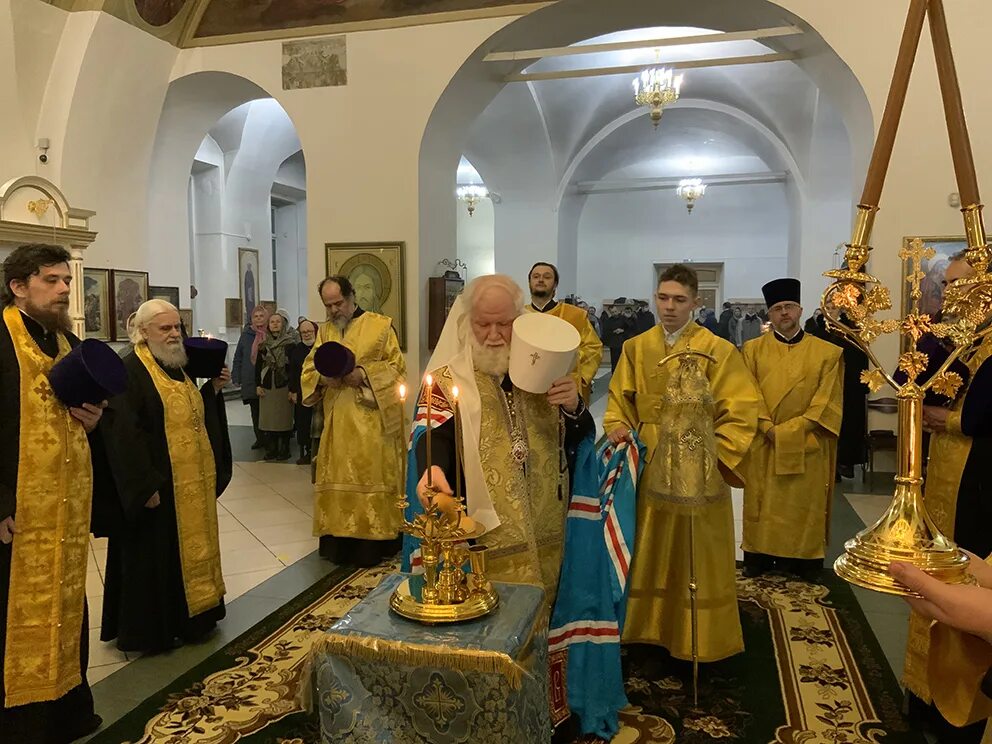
(265, 525)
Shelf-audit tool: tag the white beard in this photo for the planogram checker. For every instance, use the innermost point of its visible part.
(341, 322)
(491, 360)
(172, 356)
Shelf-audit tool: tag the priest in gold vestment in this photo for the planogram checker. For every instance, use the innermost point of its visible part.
(359, 466)
(46, 487)
(658, 610)
(790, 468)
(543, 282)
(515, 444)
(956, 493)
(169, 457)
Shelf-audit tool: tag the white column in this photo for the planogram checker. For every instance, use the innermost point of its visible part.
(76, 291)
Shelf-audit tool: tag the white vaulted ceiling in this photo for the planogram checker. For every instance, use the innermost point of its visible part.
(733, 119)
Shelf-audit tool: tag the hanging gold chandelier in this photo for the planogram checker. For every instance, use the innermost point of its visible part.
(690, 190)
(657, 87)
(471, 195)
(906, 532)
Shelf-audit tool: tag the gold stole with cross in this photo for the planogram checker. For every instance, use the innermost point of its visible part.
(194, 484)
(50, 548)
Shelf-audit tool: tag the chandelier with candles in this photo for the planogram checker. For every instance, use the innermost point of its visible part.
(657, 87)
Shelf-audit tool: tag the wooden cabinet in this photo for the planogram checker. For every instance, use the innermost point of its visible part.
(441, 294)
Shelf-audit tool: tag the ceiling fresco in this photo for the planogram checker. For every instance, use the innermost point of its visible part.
(227, 17)
(159, 12)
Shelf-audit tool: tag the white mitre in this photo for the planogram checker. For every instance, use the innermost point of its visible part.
(543, 350)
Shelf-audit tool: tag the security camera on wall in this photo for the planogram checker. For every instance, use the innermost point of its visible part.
(43, 145)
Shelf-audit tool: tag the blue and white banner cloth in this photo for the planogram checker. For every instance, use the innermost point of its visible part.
(588, 616)
(440, 413)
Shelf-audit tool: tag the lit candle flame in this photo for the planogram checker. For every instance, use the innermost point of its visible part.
(430, 381)
(402, 392)
(454, 392)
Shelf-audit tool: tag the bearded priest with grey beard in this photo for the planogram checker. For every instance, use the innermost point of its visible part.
(169, 460)
(516, 446)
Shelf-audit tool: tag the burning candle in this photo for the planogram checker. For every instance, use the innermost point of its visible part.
(458, 446)
(430, 387)
(402, 393)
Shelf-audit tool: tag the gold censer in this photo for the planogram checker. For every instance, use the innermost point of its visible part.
(448, 594)
(906, 532)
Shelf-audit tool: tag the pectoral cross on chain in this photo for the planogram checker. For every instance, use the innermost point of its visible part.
(915, 253)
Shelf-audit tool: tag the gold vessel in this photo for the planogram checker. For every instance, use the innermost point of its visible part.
(906, 532)
(449, 594)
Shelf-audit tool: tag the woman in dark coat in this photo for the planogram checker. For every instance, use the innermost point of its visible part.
(245, 356)
(302, 415)
(275, 419)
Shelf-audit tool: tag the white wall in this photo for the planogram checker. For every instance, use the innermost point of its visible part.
(290, 231)
(232, 208)
(513, 155)
(622, 235)
(476, 236)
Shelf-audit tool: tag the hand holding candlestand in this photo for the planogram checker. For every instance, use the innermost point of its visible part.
(906, 533)
(448, 594)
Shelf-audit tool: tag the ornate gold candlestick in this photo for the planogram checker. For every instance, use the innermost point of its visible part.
(906, 532)
(448, 595)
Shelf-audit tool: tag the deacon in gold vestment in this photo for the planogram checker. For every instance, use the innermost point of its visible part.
(543, 281)
(790, 468)
(46, 486)
(956, 493)
(658, 610)
(359, 466)
(170, 458)
(515, 443)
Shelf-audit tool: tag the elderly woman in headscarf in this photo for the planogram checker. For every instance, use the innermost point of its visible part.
(275, 419)
(245, 358)
(303, 415)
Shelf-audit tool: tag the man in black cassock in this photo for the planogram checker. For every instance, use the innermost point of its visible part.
(36, 296)
(146, 585)
(852, 442)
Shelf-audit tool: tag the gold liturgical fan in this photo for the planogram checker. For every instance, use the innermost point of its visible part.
(906, 532)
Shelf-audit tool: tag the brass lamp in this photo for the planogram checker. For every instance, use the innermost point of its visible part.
(906, 532)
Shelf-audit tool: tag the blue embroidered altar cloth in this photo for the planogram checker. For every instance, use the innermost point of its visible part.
(379, 678)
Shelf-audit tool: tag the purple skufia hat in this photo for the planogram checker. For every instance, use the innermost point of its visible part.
(333, 359)
(206, 357)
(90, 373)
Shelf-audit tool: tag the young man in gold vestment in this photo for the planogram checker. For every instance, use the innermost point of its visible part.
(958, 496)
(658, 611)
(543, 282)
(790, 468)
(359, 463)
(46, 487)
(515, 446)
(170, 459)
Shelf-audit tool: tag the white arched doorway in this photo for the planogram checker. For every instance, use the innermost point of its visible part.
(809, 123)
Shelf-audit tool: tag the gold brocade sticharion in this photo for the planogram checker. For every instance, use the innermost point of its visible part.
(48, 557)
